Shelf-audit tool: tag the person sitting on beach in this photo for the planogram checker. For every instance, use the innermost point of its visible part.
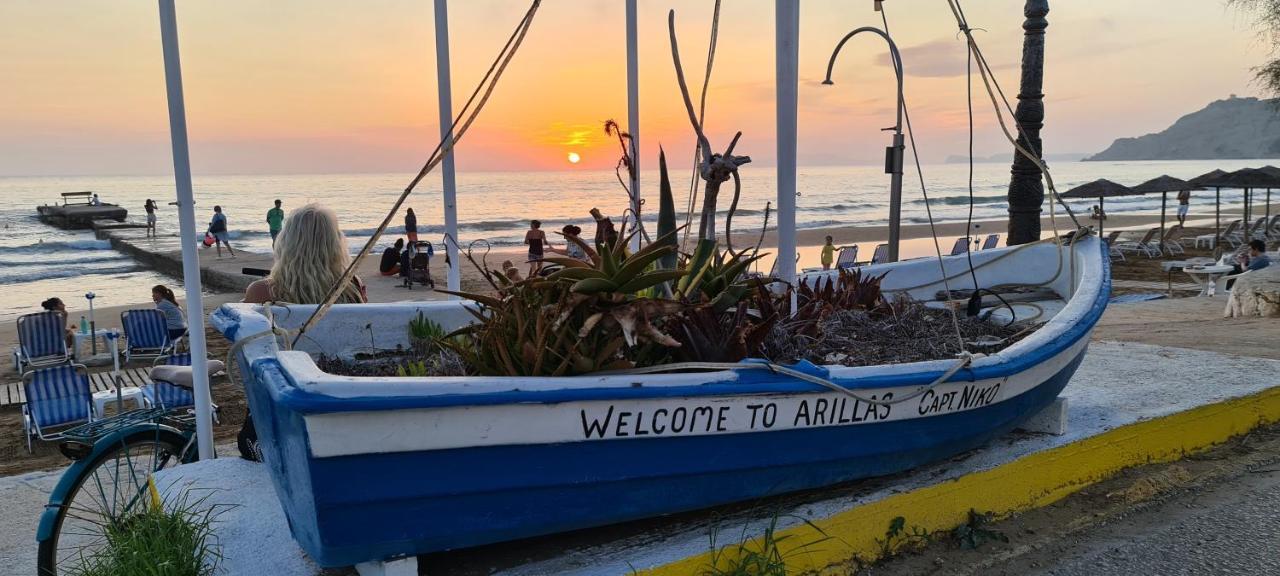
(166, 302)
(310, 256)
(55, 304)
(275, 219)
(572, 249)
(218, 228)
(828, 254)
(390, 265)
(1255, 258)
(150, 207)
(510, 271)
(536, 239)
(95, 201)
(1098, 214)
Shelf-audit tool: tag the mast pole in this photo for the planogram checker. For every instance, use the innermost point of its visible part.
(1026, 188)
(444, 91)
(633, 113)
(187, 227)
(787, 65)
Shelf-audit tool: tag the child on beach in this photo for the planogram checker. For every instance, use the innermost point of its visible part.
(275, 220)
(218, 228)
(1184, 205)
(150, 207)
(828, 254)
(165, 301)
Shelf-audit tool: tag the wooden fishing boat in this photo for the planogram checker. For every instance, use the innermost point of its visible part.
(374, 468)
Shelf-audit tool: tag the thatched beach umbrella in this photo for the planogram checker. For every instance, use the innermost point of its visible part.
(1213, 179)
(1100, 189)
(1164, 185)
(1251, 179)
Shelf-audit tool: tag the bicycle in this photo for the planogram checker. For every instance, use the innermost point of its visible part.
(109, 480)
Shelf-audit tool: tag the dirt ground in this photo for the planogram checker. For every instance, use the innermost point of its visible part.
(1039, 538)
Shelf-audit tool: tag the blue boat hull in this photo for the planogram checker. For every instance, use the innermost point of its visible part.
(369, 469)
(384, 505)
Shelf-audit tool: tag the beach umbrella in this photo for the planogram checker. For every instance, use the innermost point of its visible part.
(1163, 185)
(1213, 179)
(1251, 179)
(1272, 170)
(1100, 189)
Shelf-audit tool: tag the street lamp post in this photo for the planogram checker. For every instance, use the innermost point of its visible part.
(893, 154)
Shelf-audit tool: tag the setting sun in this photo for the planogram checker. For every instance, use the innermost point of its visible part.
(574, 158)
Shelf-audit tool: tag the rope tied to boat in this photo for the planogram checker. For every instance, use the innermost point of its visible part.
(461, 123)
(963, 360)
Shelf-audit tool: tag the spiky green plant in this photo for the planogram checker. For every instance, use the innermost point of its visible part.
(171, 539)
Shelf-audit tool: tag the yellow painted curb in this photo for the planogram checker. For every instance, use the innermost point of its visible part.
(1029, 482)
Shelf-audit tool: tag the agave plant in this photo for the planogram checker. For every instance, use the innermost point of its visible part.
(711, 336)
(849, 290)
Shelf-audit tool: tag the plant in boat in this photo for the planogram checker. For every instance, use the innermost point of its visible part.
(424, 333)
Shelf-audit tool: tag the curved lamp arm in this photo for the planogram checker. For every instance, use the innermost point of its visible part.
(893, 52)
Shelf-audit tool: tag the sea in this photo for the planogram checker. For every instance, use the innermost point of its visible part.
(494, 209)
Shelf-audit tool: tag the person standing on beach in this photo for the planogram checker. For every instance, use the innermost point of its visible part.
(275, 221)
(1184, 205)
(828, 254)
(536, 239)
(218, 228)
(150, 207)
(411, 226)
(167, 303)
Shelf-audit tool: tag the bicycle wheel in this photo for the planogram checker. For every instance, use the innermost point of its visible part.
(110, 489)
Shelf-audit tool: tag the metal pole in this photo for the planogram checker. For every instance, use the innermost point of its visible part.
(1102, 215)
(633, 113)
(187, 226)
(1164, 197)
(786, 71)
(1217, 218)
(893, 155)
(444, 92)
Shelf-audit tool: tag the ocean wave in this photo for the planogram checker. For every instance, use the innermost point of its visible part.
(962, 200)
(44, 260)
(839, 207)
(56, 245)
(48, 273)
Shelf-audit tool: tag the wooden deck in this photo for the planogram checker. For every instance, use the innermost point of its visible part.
(12, 394)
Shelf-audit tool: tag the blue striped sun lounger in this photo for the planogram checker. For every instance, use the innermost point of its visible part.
(57, 396)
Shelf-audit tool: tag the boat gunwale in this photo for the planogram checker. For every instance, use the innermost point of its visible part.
(302, 389)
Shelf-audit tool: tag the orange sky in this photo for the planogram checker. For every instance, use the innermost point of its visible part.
(293, 86)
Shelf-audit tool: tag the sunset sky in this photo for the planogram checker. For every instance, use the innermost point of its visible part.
(307, 86)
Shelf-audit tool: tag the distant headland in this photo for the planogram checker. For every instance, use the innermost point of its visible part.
(1235, 128)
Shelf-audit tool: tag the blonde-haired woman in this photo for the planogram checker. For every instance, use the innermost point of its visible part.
(310, 256)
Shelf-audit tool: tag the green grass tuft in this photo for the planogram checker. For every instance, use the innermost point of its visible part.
(175, 539)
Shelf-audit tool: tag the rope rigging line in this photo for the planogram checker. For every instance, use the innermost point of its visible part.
(933, 231)
(466, 116)
(993, 88)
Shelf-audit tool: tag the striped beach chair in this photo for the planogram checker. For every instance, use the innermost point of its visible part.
(146, 334)
(169, 395)
(881, 255)
(992, 241)
(960, 247)
(848, 257)
(57, 397)
(42, 341)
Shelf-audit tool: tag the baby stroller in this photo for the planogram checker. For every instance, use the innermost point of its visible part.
(415, 264)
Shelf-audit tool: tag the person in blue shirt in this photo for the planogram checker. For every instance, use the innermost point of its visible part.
(1255, 259)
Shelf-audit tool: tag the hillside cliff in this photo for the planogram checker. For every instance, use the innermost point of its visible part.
(1235, 128)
